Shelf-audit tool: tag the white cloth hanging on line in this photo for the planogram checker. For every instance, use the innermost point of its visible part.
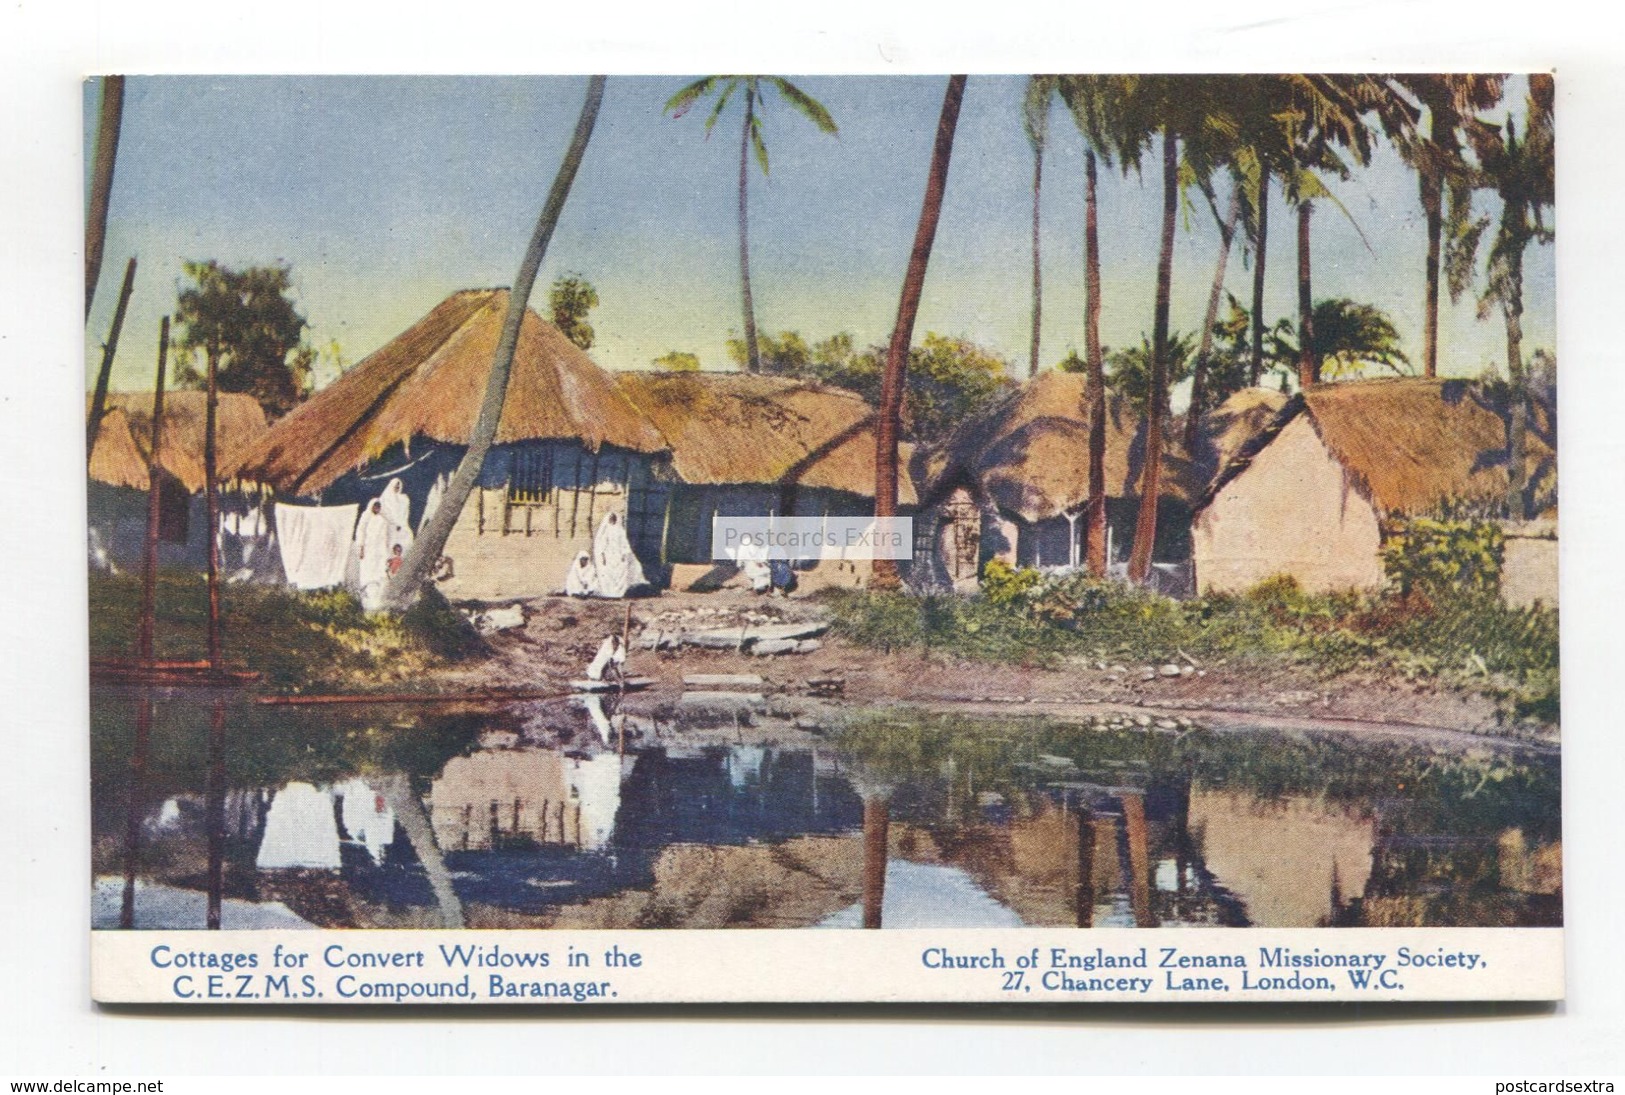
(315, 543)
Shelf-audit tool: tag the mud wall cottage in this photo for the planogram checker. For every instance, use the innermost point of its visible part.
(117, 491)
(1308, 496)
(744, 445)
(570, 447)
(1020, 474)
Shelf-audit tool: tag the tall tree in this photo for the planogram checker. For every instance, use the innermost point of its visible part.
(1522, 174)
(431, 541)
(1035, 122)
(246, 327)
(571, 298)
(889, 417)
(101, 182)
(1442, 170)
(750, 140)
(1145, 526)
(1095, 104)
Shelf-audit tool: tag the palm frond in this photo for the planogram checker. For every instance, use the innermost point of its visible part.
(805, 105)
(680, 103)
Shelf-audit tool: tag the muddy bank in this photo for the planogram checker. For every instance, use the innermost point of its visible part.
(559, 637)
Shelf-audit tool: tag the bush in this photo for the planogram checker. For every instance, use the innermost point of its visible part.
(1443, 558)
(1004, 584)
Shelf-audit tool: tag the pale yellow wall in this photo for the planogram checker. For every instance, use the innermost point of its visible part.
(1529, 569)
(491, 565)
(1294, 512)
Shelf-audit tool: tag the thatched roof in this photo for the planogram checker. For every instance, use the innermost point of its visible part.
(1413, 446)
(428, 383)
(1240, 418)
(1030, 453)
(735, 428)
(122, 440)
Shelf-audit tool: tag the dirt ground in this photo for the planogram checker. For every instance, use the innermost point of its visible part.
(560, 636)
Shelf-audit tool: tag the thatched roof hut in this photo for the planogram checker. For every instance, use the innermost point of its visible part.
(1412, 445)
(727, 429)
(124, 436)
(1313, 494)
(428, 383)
(1030, 453)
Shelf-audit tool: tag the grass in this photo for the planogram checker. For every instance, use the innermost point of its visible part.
(297, 640)
(1467, 640)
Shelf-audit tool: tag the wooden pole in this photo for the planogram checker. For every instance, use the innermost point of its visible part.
(211, 492)
(149, 573)
(876, 831)
(101, 182)
(134, 802)
(98, 402)
(216, 807)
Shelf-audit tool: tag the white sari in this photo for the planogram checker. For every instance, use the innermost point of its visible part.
(617, 569)
(372, 549)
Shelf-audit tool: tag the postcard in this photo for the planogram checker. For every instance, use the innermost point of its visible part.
(1043, 538)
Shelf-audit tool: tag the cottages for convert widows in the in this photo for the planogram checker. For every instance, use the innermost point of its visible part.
(119, 478)
(1311, 495)
(570, 449)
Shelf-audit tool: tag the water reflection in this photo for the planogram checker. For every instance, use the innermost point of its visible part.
(546, 816)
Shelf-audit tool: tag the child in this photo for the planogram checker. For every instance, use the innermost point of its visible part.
(395, 560)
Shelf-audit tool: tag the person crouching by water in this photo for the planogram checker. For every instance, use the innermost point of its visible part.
(610, 660)
(581, 577)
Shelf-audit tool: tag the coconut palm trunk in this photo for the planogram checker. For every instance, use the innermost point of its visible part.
(431, 542)
(1038, 283)
(1432, 190)
(1227, 233)
(1518, 427)
(1095, 535)
(101, 182)
(1308, 364)
(889, 420)
(1145, 529)
(1260, 250)
(753, 352)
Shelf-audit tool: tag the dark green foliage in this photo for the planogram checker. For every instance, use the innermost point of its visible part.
(949, 379)
(1443, 558)
(1467, 639)
(297, 640)
(246, 322)
(571, 298)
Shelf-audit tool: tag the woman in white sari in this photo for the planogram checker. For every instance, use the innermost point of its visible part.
(372, 551)
(397, 508)
(617, 569)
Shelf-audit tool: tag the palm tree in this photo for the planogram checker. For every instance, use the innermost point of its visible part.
(1442, 170)
(1348, 336)
(889, 416)
(1522, 174)
(750, 139)
(101, 182)
(1035, 122)
(431, 542)
(1094, 102)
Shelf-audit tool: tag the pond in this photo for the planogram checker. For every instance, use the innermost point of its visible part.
(571, 815)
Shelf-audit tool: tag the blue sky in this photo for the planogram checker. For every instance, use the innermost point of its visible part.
(387, 194)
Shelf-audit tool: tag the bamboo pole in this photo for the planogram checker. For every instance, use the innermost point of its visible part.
(134, 802)
(149, 562)
(216, 807)
(211, 492)
(98, 402)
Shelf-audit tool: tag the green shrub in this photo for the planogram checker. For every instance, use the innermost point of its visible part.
(1004, 584)
(1443, 558)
